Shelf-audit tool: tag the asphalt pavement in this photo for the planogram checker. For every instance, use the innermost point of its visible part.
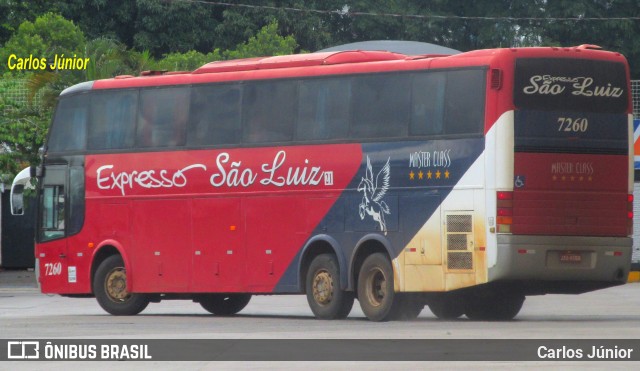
(18, 279)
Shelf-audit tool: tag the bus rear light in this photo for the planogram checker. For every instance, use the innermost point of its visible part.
(504, 217)
(526, 251)
(505, 211)
(630, 214)
(502, 195)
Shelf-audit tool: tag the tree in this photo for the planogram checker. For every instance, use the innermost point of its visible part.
(23, 127)
(49, 35)
(266, 42)
(188, 61)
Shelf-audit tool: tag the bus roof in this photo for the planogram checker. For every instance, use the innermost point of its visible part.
(336, 62)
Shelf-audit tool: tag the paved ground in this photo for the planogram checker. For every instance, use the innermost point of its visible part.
(17, 278)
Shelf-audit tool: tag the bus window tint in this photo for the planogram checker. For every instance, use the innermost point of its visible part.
(69, 128)
(269, 111)
(113, 118)
(162, 117)
(215, 115)
(76, 199)
(380, 106)
(464, 100)
(427, 92)
(323, 109)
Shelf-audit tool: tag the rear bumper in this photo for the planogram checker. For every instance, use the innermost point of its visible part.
(603, 259)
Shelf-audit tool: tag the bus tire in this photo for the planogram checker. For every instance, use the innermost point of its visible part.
(375, 288)
(325, 298)
(497, 307)
(447, 306)
(407, 308)
(110, 289)
(224, 304)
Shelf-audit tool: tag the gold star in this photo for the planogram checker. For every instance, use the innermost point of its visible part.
(573, 178)
(581, 178)
(429, 174)
(438, 174)
(412, 175)
(554, 177)
(590, 178)
(420, 175)
(564, 178)
(446, 174)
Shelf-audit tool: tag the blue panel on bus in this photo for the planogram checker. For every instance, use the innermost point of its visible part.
(397, 189)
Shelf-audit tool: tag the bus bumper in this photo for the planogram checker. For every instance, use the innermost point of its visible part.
(567, 260)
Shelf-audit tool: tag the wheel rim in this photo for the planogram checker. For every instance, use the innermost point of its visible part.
(322, 288)
(116, 285)
(376, 287)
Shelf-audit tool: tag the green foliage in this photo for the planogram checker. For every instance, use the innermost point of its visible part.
(49, 35)
(188, 61)
(266, 42)
(23, 127)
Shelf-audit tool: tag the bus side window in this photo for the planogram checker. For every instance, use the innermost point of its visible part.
(465, 99)
(323, 109)
(269, 111)
(380, 106)
(113, 120)
(162, 118)
(69, 128)
(427, 114)
(215, 115)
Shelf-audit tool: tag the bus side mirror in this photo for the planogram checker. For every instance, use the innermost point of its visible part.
(17, 199)
(22, 182)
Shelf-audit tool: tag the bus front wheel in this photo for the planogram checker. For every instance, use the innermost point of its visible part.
(325, 298)
(110, 289)
(224, 304)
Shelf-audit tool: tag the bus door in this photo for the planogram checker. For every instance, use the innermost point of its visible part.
(52, 262)
(219, 258)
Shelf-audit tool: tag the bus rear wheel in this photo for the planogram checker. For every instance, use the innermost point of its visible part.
(493, 307)
(375, 288)
(447, 306)
(110, 289)
(224, 304)
(408, 307)
(325, 298)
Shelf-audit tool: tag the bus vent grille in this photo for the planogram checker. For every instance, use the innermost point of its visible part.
(457, 242)
(459, 260)
(459, 223)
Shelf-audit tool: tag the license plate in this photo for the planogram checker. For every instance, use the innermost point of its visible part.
(570, 257)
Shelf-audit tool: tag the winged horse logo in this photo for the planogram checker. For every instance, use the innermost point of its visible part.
(373, 191)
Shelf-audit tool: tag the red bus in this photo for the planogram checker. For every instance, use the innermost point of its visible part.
(463, 182)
